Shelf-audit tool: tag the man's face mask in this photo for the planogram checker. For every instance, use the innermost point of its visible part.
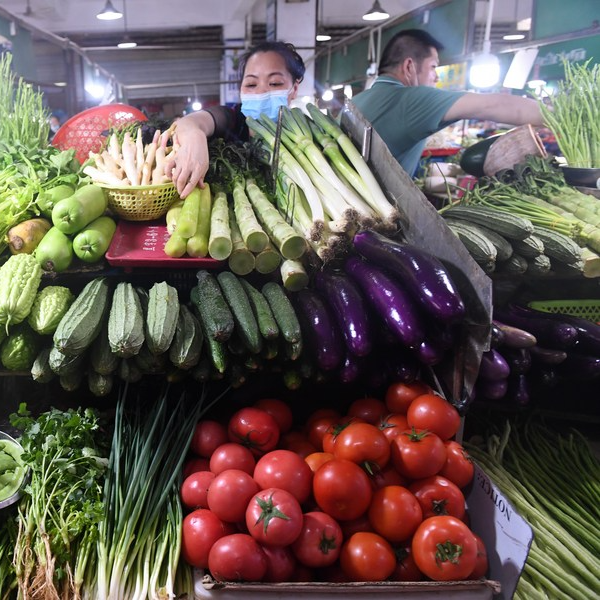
(253, 105)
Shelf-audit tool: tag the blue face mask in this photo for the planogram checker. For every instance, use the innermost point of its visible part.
(253, 105)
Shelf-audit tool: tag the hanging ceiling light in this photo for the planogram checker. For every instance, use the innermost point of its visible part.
(322, 35)
(485, 67)
(515, 33)
(126, 42)
(376, 13)
(109, 12)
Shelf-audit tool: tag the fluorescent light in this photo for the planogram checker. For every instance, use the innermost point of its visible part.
(109, 13)
(513, 37)
(376, 13)
(322, 36)
(95, 90)
(485, 71)
(127, 43)
(196, 105)
(327, 95)
(60, 83)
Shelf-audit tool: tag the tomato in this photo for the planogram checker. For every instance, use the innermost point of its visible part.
(207, 436)
(281, 564)
(200, 530)
(301, 447)
(279, 410)
(392, 424)
(434, 413)
(237, 557)
(274, 517)
(285, 470)
(342, 489)
(459, 466)
(318, 428)
(445, 549)
(323, 412)
(334, 430)
(316, 459)
(395, 513)
(229, 493)
(191, 465)
(363, 444)
(232, 456)
(320, 540)
(387, 476)
(369, 410)
(195, 488)
(367, 556)
(481, 562)
(406, 569)
(439, 496)
(361, 523)
(254, 428)
(399, 396)
(417, 454)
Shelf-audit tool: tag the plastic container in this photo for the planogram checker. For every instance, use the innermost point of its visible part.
(15, 497)
(586, 309)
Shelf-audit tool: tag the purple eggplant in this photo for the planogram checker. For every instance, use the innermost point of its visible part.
(493, 366)
(402, 366)
(519, 392)
(320, 328)
(389, 299)
(513, 336)
(430, 352)
(352, 368)
(497, 336)
(423, 274)
(579, 367)
(348, 308)
(546, 356)
(547, 331)
(518, 359)
(491, 389)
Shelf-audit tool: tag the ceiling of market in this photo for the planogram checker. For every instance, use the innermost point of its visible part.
(180, 42)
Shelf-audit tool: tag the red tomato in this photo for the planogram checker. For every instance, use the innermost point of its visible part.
(323, 412)
(387, 476)
(320, 540)
(434, 413)
(406, 569)
(195, 488)
(300, 447)
(481, 563)
(192, 465)
(237, 557)
(459, 466)
(392, 424)
(207, 436)
(399, 396)
(444, 549)
(417, 453)
(334, 430)
(395, 513)
(318, 428)
(232, 456)
(281, 564)
(200, 530)
(254, 428)
(369, 410)
(367, 556)
(274, 517)
(286, 470)
(439, 496)
(316, 459)
(229, 493)
(279, 410)
(363, 444)
(342, 489)
(362, 523)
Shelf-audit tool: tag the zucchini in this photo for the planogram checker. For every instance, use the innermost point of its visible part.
(243, 315)
(539, 265)
(161, 320)
(63, 364)
(202, 371)
(185, 350)
(478, 245)
(99, 384)
(529, 247)
(512, 227)
(40, 370)
(504, 248)
(515, 265)
(102, 359)
(150, 363)
(72, 380)
(128, 371)
(214, 312)
(283, 311)
(558, 246)
(125, 321)
(83, 321)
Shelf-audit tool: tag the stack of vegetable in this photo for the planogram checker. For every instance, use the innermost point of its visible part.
(552, 480)
(533, 350)
(373, 495)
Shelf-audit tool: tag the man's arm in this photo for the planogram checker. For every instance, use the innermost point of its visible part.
(502, 108)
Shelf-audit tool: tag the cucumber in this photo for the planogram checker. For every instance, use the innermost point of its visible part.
(83, 321)
(283, 311)
(125, 321)
(262, 312)
(243, 315)
(214, 312)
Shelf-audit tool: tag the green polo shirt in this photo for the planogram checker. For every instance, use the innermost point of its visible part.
(404, 117)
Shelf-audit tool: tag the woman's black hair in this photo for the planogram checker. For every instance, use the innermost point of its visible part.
(409, 43)
(293, 61)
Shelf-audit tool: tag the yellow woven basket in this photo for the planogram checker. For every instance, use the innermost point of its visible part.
(141, 202)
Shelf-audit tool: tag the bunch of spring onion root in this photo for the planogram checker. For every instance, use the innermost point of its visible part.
(324, 187)
(553, 480)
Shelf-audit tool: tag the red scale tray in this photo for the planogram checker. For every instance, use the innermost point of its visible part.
(141, 244)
